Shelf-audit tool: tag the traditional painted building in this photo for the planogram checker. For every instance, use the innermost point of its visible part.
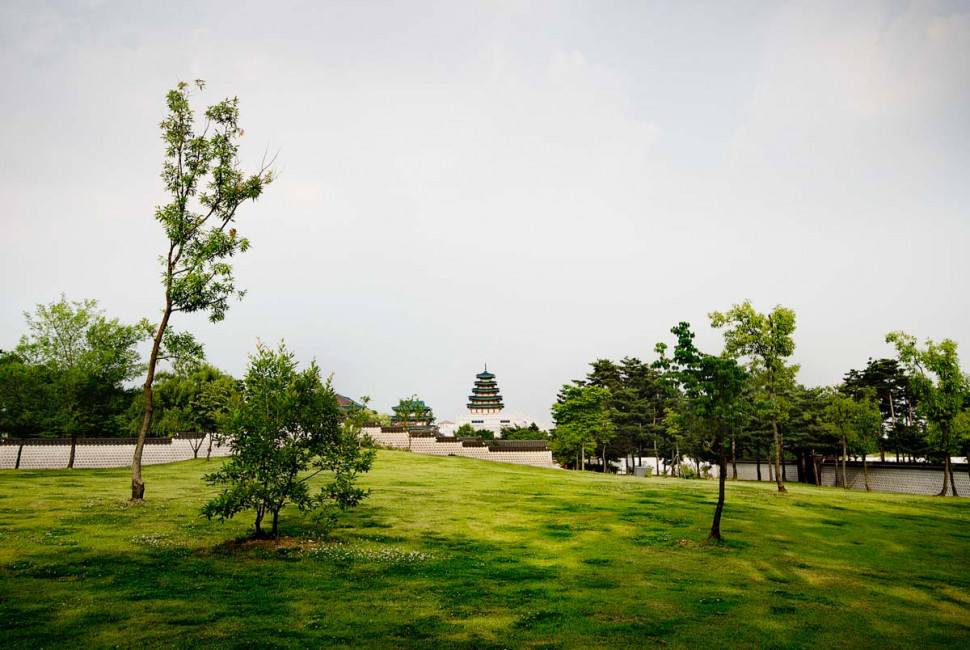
(486, 409)
(418, 414)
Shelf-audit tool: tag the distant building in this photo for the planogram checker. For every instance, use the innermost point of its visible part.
(485, 409)
(420, 417)
(345, 404)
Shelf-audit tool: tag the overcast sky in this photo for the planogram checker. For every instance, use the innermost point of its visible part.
(529, 184)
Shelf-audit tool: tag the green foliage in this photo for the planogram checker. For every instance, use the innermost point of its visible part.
(713, 388)
(484, 434)
(839, 418)
(531, 432)
(465, 431)
(202, 176)
(66, 378)
(412, 411)
(942, 388)
(766, 341)
(286, 425)
(935, 376)
(201, 173)
(77, 335)
(638, 400)
(583, 422)
(195, 401)
(713, 405)
(897, 401)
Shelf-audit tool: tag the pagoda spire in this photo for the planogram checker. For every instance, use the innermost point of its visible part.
(485, 397)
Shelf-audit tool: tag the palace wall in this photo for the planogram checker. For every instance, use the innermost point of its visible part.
(527, 452)
(102, 452)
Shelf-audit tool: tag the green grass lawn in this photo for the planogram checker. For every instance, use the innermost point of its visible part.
(454, 552)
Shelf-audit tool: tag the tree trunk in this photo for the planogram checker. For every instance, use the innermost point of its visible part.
(946, 459)
(953, 481)
(656, 456)
(784, 468)
(259, 522)
(946, 476)
(882, 445)
(137, 484)
(208, 451)
(70, 460)
(716, 526)
(865, 472)
(845, 482)
(20, 451)
(778, 478)
(757, 460)
(604, 459)
(582, 455)
(734, 462)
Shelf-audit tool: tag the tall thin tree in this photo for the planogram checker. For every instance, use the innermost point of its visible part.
(766, 341)
(201, 174)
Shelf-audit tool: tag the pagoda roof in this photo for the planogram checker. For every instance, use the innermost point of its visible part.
(419, 404)
(485, 375)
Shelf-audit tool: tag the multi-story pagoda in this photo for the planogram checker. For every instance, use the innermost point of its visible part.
(485, 409)
(485, 398)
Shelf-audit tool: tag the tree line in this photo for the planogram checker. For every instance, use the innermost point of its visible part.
(69, 377)
(911, 408)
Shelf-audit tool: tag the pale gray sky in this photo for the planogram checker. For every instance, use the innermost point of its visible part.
(533, 185)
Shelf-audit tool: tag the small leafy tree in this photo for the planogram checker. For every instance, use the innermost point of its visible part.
(201, 173)
(485, 434)
(766, 341)
(582, 416)
(713, 391)
(531, 432)
(839, 419)
(941, 386)
(411, 412)
(286, 426)
(67, 376)
(465, 431)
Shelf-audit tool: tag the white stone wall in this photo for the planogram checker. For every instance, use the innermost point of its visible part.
(435, 447)
(47, 456)
(8, 456)
(749, 472)
(892, 479)
(392, 439)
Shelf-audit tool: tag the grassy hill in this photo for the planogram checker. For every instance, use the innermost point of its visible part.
(453, 552)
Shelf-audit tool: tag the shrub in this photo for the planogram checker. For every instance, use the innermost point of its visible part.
(287, 424)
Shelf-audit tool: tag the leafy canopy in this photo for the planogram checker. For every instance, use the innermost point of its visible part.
(202, 176)
(77, 335)
(286, 426)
